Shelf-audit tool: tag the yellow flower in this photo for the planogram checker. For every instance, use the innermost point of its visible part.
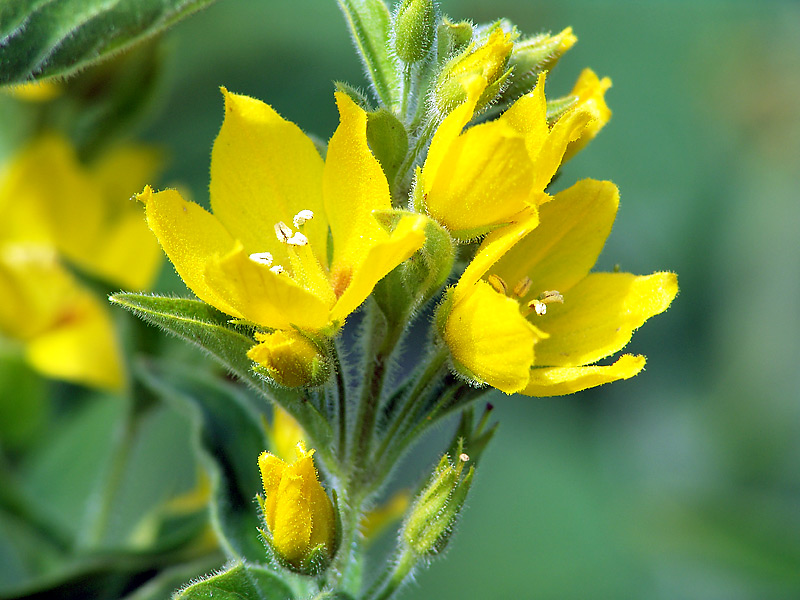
(529, 285)
(35, 91)
(284, 434)
(264, 253)
(297, 511)
(289, 357)
(67, 333)
(48, 196)
(590, 91)
(485, 177)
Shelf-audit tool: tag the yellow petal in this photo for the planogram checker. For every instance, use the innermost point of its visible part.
(449, 130)
(572, 231)
(354, 186)
(590, 91)
(599, 315)
(191, 237)
(528, 116)
(259, 295)
(380, 259)
(68, 332)
(264, 169)
(291, 532)
(284, 434)
(272, 469)
(320, 506)
(131, 256)
(484, 180)
(65, 207)
(83, 350)
(567, 129)
(559, 381)
(288, 356)
(488, 336)
(493, 247)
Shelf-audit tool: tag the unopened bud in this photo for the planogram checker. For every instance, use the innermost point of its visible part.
(452, 38)
(414, 30)
(289, 359)
(533, 56)
(299, 515)
(434, 513)
(488, 60)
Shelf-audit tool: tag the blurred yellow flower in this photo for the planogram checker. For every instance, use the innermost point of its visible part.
(284, 434)
(297, 511)
(66, 331)
(36, 91)
(529, 285)
(264, 255)
(47, 196)
(482, 178)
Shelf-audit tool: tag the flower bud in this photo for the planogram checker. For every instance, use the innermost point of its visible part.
(488, 60)
(414, 31)
(300, 518)
(289, 358)
(452, 38)
(433, 514)
(533, 56)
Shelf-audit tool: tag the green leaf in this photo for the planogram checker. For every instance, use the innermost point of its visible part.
(48, 38)
(241, 582)
(208, 328)
(370, 25)
(228, 438)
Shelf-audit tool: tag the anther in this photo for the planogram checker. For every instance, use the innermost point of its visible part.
(463, 457)
(298, 239)
(302, 217)
(277, 269)
(262, 258)
(539, 305)
(523, 287)
(282, 231)
(497, 283)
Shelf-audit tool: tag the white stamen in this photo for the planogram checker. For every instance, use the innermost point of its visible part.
(277, 269)
(298, 239)
(302, 217)
(282, 231)
(262, 258)
(538, 306)
(463, 457)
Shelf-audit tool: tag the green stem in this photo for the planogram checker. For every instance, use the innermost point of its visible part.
(435, 365)
(405, 92)
(341, 396)
(404, 175)
(371, 392)
(390, 581)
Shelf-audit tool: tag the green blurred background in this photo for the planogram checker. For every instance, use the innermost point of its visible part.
(685, 481)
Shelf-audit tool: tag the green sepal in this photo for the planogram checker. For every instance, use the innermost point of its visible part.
(420, 277)
(56, 39)
(239, 582)
(370, 25)
(452, 38)
(558, 107)
(354, 94)
(210, 329)
(388, 140)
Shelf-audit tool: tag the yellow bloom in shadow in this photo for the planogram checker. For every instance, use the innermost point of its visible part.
(66, 331)
(484, 177)
(298, 512)
(47, 196)
(264, 253)
(284, 434)
(528, 316)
